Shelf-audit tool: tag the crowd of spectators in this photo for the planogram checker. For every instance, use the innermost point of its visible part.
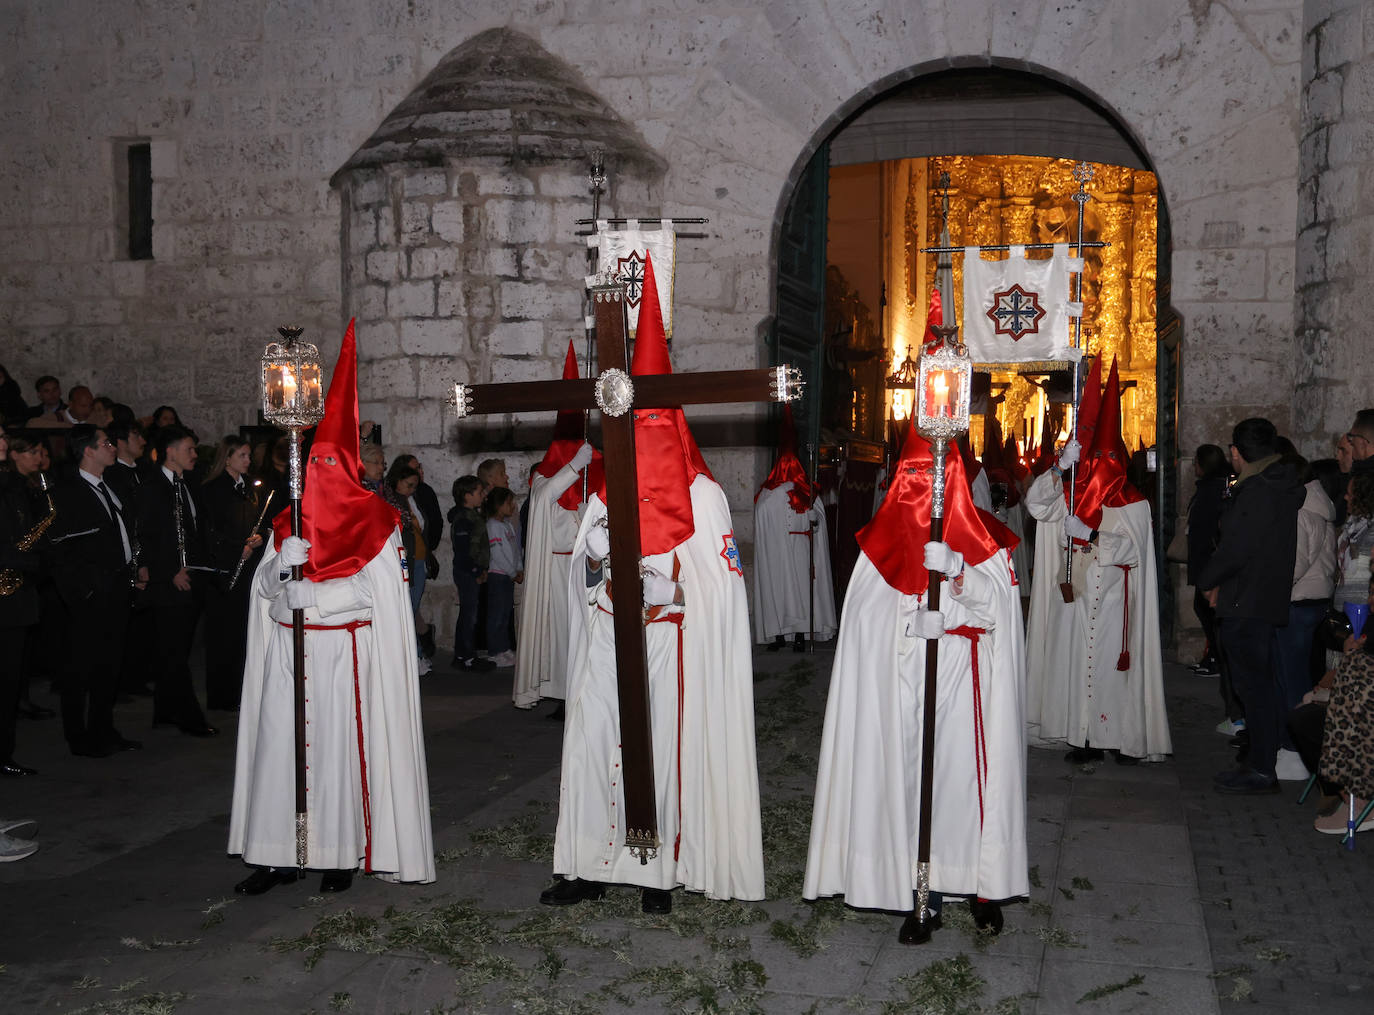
(1279, 552)
(125, 541)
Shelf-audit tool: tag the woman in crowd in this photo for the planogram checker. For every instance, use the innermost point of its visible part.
(504, 572)
(232, 503)
(1355, 542)
(401, 480)
(1347, 756)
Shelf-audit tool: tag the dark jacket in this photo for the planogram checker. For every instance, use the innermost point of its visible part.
(1204, 518)
(228, 518)
(431, 516)
(88, 554)
(159, 551)
(1253, 563)
(471, 551)
(18, 519)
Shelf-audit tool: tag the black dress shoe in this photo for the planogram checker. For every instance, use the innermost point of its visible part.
(986, 915)
(914, 932)
(28, 710)
(1125, 759)
(336, 881)
(200, 729)
(14, 770)
(799, 643)
(776, 645)
(571, 891)
(1082, 755)
(264, 879)
(655, 901)
(558, 714)
(125, 744)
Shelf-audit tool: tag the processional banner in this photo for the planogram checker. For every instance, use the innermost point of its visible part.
(623, 251)
(1017, 310)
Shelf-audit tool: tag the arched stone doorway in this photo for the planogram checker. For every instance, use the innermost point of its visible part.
(982, 111)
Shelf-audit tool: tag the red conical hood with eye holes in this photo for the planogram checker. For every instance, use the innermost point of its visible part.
(894, 541)
(667, 459)
(345, 523)
(567, 438)
(1100, 480)
(788, 468)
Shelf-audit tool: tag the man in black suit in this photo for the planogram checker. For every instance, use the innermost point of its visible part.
(93, 553)
(169, 536)
(125, 478)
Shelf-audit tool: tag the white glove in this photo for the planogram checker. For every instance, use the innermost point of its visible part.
(1076, 528)
(939, 557)
(1069, 456)
(928, 624)
(300, 595)
(294, 551)
(598, 542)
(582, 457)
(659, 589)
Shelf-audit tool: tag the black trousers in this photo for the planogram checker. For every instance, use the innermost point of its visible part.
(90, 678)
(11, 685)
(175, 615)
(226, 642)
(1248, 645)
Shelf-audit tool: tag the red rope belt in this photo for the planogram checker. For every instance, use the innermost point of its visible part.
(980, 743)
(1123, 661)
(352, 628)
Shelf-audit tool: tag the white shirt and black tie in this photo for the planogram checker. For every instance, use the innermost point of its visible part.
(113, 506)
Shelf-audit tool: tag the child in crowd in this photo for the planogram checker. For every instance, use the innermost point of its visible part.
(471, 555)
(505, 571)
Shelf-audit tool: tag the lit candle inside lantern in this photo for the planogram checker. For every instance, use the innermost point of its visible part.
(940, 386)
(288, 385)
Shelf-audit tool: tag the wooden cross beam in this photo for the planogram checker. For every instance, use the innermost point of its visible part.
(615, 394)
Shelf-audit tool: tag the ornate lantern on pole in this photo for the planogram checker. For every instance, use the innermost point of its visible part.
(941, 415)
(293, 399)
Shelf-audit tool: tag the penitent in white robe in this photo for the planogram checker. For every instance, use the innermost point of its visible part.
(541, 665)
(1014, 518)
(782, 569)
(368, 801)
(721, 850)
(867, 809)
(1074, 691)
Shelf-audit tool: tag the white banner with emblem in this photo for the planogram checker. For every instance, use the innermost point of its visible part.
(1017, 310)
(624, 250)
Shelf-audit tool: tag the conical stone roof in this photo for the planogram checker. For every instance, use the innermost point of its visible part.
(502, 94)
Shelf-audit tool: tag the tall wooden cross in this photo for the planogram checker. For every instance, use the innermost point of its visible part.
(614, 392)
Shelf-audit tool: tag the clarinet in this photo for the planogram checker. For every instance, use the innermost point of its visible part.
(181, 532)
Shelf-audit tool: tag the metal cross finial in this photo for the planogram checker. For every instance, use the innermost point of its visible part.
(1083, 173)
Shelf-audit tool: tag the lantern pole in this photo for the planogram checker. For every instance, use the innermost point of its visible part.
(1083, 172)
(293, 399)
(941, 414)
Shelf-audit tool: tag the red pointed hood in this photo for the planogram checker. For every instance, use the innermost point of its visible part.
(935, 317)
(568, 435)
(1101, 477)
(895, 539)
(666, 456)
(788, 468)
(1089, 405)
(345, 523)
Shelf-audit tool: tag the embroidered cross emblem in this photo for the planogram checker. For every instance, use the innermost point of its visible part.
(631, 271)
(731, 554)
(1016, 312)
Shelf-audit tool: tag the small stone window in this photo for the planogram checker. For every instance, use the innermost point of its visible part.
(133, 199)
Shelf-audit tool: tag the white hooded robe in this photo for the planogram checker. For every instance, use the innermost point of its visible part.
(541, 665)
(783, 589)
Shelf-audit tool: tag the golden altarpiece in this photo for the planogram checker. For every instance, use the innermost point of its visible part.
(992, 200)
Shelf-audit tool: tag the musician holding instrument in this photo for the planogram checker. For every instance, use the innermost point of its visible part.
(234, 512)
(93, 561)
(171, 545)
(21, 530)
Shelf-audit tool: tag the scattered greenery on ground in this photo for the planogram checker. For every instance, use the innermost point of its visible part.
(340, 1001)
(1272, 955)
(1082, 884)
(1066, 893)
(1106, 990)
(521, 838)
(1035, 877)
(147, 1004)
(1058, 937)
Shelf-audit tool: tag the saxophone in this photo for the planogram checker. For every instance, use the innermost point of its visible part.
(11, 581)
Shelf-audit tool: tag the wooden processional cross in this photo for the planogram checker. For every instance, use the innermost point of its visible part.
(615, 393)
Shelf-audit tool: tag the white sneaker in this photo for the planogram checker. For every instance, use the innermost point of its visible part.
(1227, 728)
(424, 666)
(16, 849)
(505, 659)
(1289, 767)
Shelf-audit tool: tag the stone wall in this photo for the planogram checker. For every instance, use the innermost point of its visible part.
(1335, 221)
(251, 105)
